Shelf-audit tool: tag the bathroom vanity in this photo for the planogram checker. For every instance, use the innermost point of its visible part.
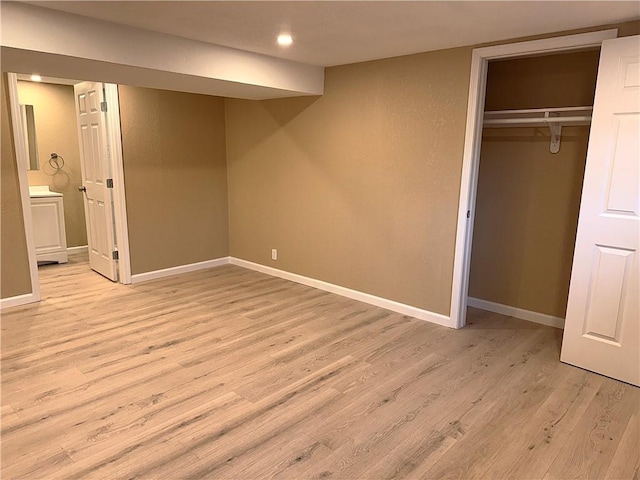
(47, 212)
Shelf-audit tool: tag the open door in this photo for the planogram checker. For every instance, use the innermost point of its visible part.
(96, 177)
(602, 327)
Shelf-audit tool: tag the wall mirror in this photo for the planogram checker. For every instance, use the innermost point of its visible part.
(29, 128)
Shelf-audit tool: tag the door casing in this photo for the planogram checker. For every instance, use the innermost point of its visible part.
(22, 162)
(473, 140)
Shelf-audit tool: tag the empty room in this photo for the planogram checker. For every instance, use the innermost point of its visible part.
(307, 239)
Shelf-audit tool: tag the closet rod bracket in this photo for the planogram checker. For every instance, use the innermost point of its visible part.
(556, 133)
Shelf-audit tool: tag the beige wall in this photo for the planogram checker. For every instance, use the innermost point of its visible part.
(56, 131)
(549, 81)
(175, 177)
(358, 187)
(14, 262)
(528, 199)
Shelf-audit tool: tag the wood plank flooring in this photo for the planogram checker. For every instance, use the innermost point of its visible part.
(227, 373)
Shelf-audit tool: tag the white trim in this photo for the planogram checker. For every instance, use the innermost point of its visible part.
(18, 300)
(114, 136)
(473, 139)
(536, 317)
(78, 249)
(547, 45)
(394, 306)
(21, 165)
(469, 182)
(167, 272)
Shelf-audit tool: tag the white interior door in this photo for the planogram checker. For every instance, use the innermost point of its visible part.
(602, 328)
(98, 206)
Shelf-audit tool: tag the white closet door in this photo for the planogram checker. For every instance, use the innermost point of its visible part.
(602, 328)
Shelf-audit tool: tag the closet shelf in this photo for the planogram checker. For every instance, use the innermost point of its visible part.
(554, 118)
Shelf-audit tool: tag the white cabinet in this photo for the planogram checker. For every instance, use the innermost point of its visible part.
(47, 212)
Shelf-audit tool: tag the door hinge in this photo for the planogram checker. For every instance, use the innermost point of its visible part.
(103, 106)
(109, 182)
(468, 213)
(114, 255)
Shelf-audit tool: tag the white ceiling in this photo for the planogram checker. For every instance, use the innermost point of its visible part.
(328, 33)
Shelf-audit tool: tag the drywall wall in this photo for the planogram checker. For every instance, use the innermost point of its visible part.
(358, 187)
(528, 198)
(15, 278)
(56, 131)
(550, 81)
(175, 177)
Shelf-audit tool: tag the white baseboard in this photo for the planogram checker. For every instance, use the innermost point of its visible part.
(18, 300)
(536, 317)
(167, 272)
(394, 306)
(402, 308)
(81, 248)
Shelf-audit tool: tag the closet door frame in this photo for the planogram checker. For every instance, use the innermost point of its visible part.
(473, 140)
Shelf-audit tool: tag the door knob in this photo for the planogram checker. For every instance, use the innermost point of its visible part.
(82, 188)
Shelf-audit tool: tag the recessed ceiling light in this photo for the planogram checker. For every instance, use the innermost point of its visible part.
(36, 78)
(285, 40)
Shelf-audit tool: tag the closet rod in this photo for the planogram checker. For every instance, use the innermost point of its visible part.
(541, 110)
(539, 116)
(554, 118)
(498, 122)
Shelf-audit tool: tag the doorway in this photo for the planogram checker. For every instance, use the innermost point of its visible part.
(473, 141)
(530, 182)
(59, 175)
(601, 327)
(55, 172)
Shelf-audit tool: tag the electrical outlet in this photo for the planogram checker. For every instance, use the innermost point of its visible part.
(274, 254)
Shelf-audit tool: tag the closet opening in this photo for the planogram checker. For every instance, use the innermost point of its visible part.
(532, 160)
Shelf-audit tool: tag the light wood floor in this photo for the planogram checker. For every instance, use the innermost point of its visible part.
(228, 373)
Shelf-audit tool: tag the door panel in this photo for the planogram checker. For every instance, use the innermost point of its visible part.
(622, 190)
(605, 306)
(95, 165)
(602, 328)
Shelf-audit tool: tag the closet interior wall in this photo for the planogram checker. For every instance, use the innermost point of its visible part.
(528, 198)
